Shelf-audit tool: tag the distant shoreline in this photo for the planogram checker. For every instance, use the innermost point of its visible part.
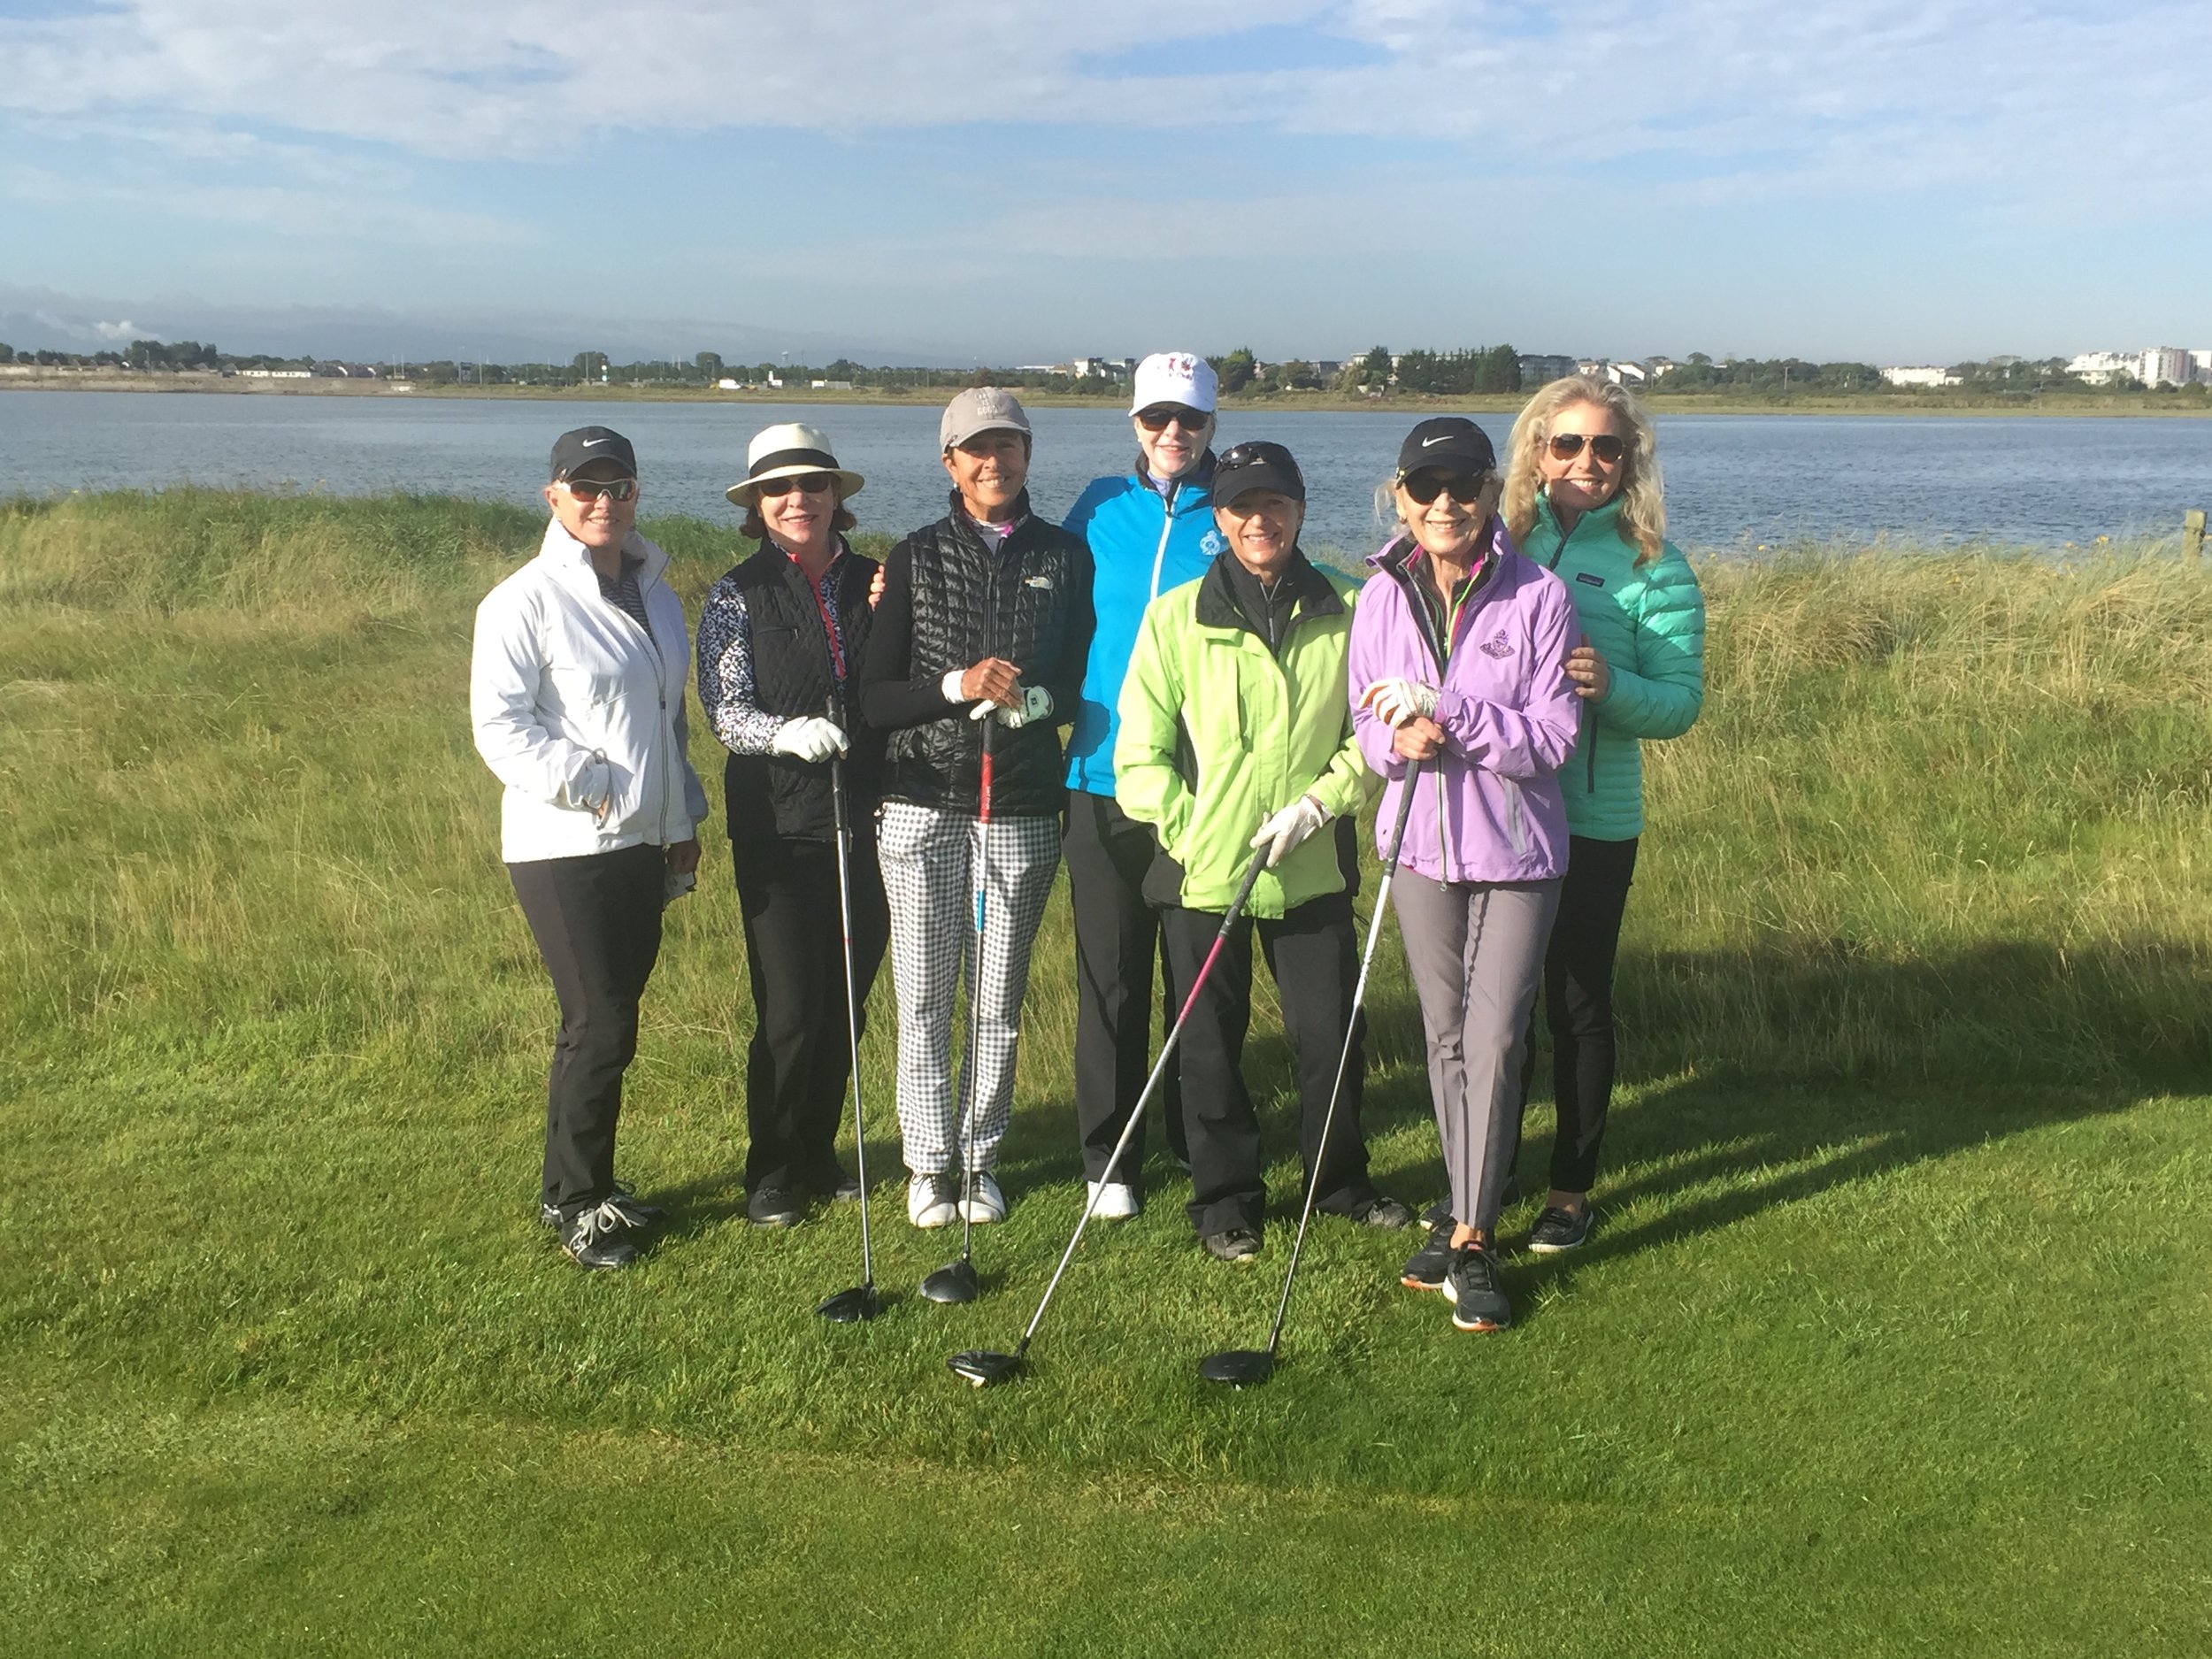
(2143, 405)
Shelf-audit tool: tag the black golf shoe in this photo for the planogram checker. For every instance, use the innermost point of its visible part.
(1471, 1282)
(1386, 1214)
(836, 1183)
(636, 1214)
(1425, 1268)
(1556, 1230)
(1232, 1244)
(597, 1238)
(775, 1207)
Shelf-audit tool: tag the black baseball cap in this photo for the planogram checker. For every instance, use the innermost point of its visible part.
(1450, 444)
(1251, 467)
(587, 445)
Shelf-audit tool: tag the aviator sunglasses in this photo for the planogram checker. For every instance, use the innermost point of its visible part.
(593, 488)
(1567, 445)
(1426, 485)
(805, 483)
(1160, 416)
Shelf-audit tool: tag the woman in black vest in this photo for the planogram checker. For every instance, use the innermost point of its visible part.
(986, 621)
(779, 645)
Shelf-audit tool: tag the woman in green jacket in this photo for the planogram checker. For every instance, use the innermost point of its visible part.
(1582, 498)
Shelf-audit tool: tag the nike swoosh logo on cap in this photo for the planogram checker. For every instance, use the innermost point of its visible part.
(593, 443)
(1442, 437)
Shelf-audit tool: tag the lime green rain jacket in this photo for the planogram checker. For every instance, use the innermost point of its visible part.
(1217, 734)
(1649, 623)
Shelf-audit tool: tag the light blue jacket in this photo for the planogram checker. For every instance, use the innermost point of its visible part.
(1144, 542)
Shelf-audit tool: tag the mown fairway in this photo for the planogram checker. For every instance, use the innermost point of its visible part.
(1895, 1337)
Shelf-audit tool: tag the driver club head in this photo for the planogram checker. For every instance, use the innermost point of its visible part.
(980, 1367)
(954, 1284)
(1238, 1367)
(850, 1307)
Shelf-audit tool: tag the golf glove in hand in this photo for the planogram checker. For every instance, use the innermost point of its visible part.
(1290, 827)
(1035, 704)
(809, 738)
(1397, 700)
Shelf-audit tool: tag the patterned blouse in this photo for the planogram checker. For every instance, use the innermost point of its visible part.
(725, 661)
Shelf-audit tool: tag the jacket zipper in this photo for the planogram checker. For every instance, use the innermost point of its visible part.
(1167, 529)
(1590, 784)
(660, 684)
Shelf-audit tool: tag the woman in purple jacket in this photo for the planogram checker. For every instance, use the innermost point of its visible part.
(1459, 647)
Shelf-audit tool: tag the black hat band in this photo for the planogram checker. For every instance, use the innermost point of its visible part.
(817, 458)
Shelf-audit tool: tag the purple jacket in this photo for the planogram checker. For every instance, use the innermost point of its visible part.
(1488, 808)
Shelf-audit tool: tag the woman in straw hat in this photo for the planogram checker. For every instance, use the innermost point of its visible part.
(779, 644)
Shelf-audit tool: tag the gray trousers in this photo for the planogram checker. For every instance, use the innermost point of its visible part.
(1476, 952)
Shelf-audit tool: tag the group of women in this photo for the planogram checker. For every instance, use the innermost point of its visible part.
(1522, 630)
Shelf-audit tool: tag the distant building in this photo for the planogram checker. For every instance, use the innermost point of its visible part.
(1923, 374)
(2100, 368)
(2165, 366)
(2202, 361)
(1538, 370)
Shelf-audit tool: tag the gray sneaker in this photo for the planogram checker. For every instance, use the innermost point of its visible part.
(1557, 1230)
(1477, 1302)
(597, 1238)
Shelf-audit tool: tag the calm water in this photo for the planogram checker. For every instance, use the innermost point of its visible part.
(1732, 482)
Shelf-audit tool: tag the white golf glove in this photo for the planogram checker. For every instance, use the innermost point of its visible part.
(809, 738)
(1397, 700)
(1036, 704)
(1290, 827)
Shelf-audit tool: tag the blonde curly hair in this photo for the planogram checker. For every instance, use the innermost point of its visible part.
(1643, 519)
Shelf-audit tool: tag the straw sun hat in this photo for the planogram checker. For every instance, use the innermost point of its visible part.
(787, 451)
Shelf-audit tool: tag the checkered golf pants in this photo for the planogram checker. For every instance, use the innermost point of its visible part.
(932, 863)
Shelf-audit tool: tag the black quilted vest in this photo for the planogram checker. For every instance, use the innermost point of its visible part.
(1017, 601)
(772, 795)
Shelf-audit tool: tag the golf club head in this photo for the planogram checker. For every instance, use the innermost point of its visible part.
(1238, 1367)
(954, 1284)
(850, 1307)
(980, 1367)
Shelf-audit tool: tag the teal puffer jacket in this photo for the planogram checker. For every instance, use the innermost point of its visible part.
(1648, 622)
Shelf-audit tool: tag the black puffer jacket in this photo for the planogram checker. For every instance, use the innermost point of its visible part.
(794, 673)
(950, 601)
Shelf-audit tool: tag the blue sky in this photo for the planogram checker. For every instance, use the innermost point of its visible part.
(1008, 182)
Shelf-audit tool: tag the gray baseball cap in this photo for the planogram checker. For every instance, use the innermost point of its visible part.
(977, 410)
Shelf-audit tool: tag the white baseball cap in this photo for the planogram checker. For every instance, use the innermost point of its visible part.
(1175, 377)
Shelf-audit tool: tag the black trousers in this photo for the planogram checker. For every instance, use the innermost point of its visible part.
(1578, 1004)
(597, 921)
(801, 1057)
(1314, 957)
(1117, 936)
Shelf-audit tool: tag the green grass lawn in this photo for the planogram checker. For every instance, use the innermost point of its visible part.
(1893, 1337)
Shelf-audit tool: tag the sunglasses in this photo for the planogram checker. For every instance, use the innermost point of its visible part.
(1567, 445)
(1426, 485)
(1160, 416)
(592, 489)
(805, 483)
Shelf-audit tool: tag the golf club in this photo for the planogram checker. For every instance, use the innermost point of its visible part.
(982, 1366)
(1240, 1367)
(957, 1282)
(848, 1307)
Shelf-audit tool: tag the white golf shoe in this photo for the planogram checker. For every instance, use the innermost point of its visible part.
(1114, 1200)
(987, 1205)
(929, 1201)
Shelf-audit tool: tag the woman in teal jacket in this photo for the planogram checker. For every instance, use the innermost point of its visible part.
(1582, 498)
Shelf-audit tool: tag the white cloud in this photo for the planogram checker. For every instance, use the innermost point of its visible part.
(118, 331)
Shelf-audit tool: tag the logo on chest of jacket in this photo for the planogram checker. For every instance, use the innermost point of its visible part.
(1044, 583)
(1213, 544)
(1591, 577)
(1497, 648)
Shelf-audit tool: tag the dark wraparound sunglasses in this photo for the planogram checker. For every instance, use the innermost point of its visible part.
(805, 483)
(1426, 485)
(1161, 416)
(1567, 445)
(593, 488)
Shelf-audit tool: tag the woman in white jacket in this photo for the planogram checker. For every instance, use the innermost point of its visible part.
(576, 692)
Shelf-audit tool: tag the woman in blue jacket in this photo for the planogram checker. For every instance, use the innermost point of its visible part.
(1583, 498)
(1148, 530)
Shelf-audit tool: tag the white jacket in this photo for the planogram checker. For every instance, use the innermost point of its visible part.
(575, 707)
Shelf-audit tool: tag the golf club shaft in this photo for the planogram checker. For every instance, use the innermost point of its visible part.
(1159, 1071)
(1351, 1035)
(852, 990)
(975, 996)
